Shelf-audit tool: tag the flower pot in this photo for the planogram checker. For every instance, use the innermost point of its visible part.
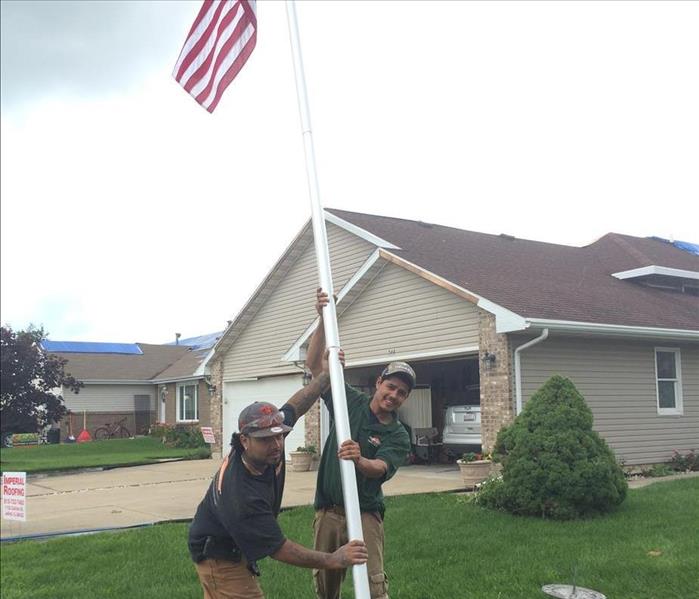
(301, 461)
(474, 473)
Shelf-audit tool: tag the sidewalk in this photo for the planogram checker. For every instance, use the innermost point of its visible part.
(172, 491)
(169, 491)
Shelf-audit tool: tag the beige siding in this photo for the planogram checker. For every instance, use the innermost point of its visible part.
(402, 314)
(285, 315)
(617, 379)
(107, 398)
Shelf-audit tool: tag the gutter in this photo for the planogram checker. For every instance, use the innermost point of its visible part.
(573, 326)
(518, 368)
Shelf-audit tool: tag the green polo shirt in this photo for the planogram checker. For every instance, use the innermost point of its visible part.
(387, 442)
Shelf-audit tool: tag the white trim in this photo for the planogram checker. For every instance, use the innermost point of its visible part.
(518, 368)
(201, 370)
(678, 410)
(505, 320)
(656, 270)
(359, 232)
(195, 384)
(294, 352)
(292, 256)
(177, 379)
(573, 326)
(116, 382)
(437, 353)
(161, 402)
(244, 379)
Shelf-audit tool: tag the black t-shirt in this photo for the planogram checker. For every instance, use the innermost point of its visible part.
(243, 515)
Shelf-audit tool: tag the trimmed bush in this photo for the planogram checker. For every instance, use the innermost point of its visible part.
(554, 464)
(19, 439)
(684, 463)
(184, 436)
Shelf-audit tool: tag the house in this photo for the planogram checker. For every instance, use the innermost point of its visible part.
(483, 319)
(141, 382)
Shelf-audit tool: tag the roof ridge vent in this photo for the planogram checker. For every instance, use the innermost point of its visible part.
(508, 237)
(424, 224)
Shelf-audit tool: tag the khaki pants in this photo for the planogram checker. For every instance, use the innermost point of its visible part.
(222, 579)
(330, 533)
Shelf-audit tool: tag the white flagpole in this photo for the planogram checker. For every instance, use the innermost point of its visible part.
(360, 576)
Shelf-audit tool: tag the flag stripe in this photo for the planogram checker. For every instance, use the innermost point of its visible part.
(219, 43)
(207, 15)
(197, 38)
(205, 72)
(202, 49)
(227, 73)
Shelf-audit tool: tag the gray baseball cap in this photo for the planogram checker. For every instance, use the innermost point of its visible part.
(401, 369)
(262, 419)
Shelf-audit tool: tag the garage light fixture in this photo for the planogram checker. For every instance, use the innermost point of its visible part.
(488, 359)
(210, 387)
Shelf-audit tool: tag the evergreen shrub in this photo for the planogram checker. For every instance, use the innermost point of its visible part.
(553, 464)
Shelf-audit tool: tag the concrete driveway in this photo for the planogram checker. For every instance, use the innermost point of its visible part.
(172, 490)
(169, 491)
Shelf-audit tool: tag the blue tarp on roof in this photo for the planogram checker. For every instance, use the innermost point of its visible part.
(692, 248)
(200, 342)
(88, 347)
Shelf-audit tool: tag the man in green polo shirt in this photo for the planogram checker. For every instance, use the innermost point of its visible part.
(378, 447)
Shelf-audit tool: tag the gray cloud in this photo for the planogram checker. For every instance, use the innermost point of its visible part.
(87, 47)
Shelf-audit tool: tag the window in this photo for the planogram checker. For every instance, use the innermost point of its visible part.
(668, 376)
(187, 402)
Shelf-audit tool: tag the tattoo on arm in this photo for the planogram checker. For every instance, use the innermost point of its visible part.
(297, 555)
(304, 398)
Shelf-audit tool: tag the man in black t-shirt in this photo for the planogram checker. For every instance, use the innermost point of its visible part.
(235, 525)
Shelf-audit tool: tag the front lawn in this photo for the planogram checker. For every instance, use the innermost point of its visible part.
(67, 456)
(438, 547)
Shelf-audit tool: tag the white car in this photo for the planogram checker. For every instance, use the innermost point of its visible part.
(462, 429)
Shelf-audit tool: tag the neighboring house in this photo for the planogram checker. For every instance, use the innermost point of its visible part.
(142, 382)
(483, 319)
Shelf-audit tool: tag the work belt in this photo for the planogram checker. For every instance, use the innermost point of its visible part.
(215, 548)
(340, 510)
(335, 509)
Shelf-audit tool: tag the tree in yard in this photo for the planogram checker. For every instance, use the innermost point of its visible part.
(554, 464)
(29, 377)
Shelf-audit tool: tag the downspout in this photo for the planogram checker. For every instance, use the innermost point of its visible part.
(518, 368)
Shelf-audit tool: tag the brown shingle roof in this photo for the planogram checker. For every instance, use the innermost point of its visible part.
(185, 366)
(544, 280)
(154, 360)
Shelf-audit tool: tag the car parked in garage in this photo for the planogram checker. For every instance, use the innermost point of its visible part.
(462, 429)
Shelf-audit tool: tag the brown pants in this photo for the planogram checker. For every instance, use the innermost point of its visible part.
(330, 533)
(222, 579)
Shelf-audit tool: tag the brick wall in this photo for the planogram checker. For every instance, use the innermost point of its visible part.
(94, 420)
(216, 409)
(497, 400)
(312, 432)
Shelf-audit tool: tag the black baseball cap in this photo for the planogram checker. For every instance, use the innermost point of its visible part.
(262, 419)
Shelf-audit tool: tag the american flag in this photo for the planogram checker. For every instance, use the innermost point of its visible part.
(218, 45)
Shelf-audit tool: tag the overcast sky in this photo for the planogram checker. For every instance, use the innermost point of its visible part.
(129, 213)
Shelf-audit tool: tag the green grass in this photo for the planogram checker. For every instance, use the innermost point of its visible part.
(438, 546)
(67, 456)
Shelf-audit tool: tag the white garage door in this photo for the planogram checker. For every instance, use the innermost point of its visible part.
(276, 390)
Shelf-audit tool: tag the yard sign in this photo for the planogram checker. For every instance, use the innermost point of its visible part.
(14, 500)
(208, 434)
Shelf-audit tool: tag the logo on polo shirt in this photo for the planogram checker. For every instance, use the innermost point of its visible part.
(375, 441)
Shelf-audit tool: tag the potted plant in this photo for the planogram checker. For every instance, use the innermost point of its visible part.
(475, 468)
(301, 458)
